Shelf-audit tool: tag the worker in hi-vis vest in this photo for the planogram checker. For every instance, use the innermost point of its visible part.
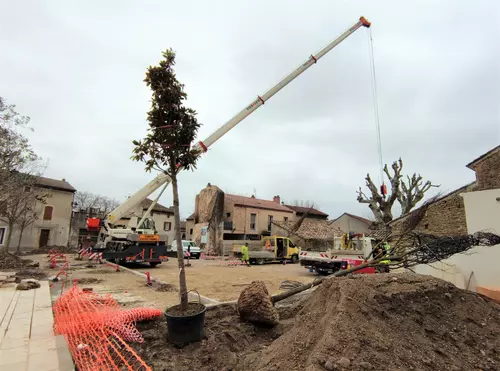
(382, 251)
(244, 254)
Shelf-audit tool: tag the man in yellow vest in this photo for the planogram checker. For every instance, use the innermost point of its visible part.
(244, 254)
(382, 251)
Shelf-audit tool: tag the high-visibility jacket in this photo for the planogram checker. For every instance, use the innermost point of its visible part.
(385, 247)
(244, 253)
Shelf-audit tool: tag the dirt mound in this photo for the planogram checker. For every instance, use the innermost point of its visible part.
(89, 280)
(255, 305)
(228, 340)
(9, 261)
(165, 287)
(394, 321)
(59, 249)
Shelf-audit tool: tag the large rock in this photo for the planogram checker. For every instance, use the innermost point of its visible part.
(255, 305)
(210, 204)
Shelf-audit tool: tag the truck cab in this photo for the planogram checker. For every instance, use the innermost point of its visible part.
(282, 247)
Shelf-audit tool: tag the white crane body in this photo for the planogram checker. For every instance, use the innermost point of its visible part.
(108, 233)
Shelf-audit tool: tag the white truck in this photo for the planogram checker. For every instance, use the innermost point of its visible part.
(140, 239)
(340, 256)
(189, 247)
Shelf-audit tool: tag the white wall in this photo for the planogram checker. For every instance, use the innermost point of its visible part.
(482, 264)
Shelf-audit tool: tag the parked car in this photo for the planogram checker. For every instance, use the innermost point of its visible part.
(188, 246)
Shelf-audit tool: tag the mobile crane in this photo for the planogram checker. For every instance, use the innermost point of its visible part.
(140, 241)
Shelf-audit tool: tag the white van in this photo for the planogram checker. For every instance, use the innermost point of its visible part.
(188, 246)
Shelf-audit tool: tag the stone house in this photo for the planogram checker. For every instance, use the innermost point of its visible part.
(352, 223)
(446, 215)
(52, 226)
(250, 217)
(190, 227)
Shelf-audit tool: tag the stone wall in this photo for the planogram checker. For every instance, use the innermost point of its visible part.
(488, 172)
(445, 217)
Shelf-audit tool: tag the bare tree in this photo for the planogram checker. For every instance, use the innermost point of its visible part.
(18, 208)
(16, 154)
(413, 192)
(305, 203)
(408, 195)
(90, 202)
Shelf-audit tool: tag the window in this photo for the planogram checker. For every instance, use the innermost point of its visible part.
(228, 215)
(290, 244)
(191, 231)
(269, 222)
(47, 213)
(2, 235)
(167, 226)
(286, 218)
(426, 226)
(253, 218)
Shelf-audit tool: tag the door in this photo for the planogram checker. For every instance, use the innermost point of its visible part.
(44, 238)
(280, 248)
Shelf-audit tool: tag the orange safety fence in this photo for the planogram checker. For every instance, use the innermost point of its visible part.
(97, 330)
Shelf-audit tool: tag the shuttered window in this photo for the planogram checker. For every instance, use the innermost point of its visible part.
(47, 213)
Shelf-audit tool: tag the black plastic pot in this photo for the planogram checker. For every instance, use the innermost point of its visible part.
(183, 330)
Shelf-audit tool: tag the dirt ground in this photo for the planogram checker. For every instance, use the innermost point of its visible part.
(372, 322)
(224, 283)
(129, 290)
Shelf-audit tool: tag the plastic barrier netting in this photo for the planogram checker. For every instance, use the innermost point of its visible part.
(97, 330)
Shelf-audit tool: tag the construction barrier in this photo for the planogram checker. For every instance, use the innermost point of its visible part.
(232, 262)
(97, 330)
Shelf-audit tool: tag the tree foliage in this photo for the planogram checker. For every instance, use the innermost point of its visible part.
(408, 193)
(167, 146)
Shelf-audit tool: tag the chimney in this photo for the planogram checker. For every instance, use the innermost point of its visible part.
(277, 199)
(64, 180)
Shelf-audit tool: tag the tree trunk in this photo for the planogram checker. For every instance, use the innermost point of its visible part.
(19, 241)
(9, 235)
(180, 253)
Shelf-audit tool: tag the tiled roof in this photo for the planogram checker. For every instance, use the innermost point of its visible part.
(474, 162)
(55, 184)
(311, 229)
(159, 208)
(256, 203)
(303, 210)
(364, 220)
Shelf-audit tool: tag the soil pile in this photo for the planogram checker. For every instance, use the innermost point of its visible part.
(9, 261)
(393, 321)
(228, 340)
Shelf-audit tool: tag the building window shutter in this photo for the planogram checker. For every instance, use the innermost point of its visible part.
(47, 213)
(167, 226)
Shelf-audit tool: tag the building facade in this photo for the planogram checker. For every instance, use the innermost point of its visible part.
(52, 225)
(352, 223)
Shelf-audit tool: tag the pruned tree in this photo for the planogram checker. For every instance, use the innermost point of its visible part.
(166, 147)
(305, 203)
(407, 194)
(413, 192)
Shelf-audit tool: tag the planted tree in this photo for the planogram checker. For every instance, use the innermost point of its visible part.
(408, 193)
(166, 147)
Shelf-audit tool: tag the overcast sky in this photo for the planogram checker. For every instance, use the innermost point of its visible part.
(77, 69)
